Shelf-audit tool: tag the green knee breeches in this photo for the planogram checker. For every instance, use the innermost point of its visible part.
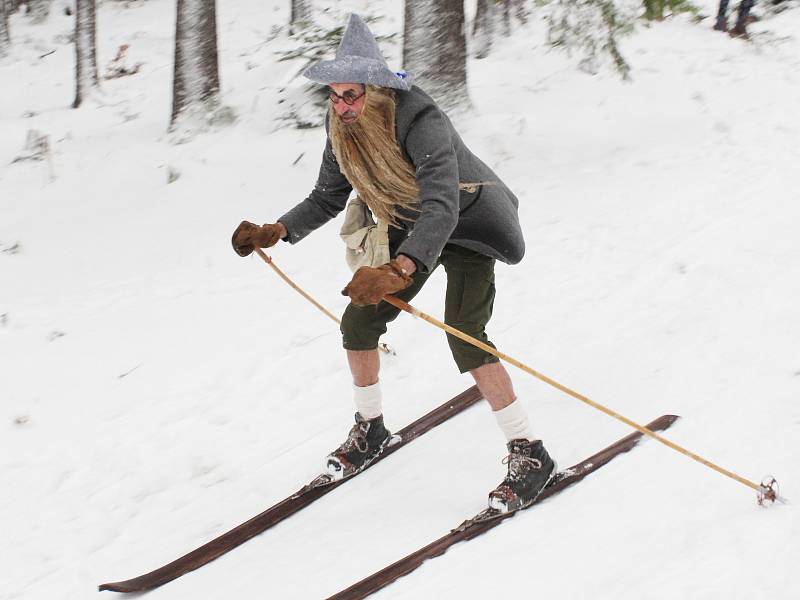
(468, 307)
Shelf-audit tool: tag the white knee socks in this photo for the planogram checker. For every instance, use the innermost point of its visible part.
(368, 400)
(513, 421)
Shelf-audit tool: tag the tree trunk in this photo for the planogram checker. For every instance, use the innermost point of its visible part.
(435, 49)
(654, 10)
(5, 39)
(195, 86)
(483, 28)
(522, 11)
(301, 16)
(86, 78)
(505, 5)
(488, 15)
(38, 10)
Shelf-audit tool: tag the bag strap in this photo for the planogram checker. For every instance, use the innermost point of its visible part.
(472, 187)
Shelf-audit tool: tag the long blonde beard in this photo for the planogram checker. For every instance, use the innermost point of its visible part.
(370, 157)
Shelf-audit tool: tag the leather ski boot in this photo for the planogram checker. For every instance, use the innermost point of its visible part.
(366, 440)
(530, 469)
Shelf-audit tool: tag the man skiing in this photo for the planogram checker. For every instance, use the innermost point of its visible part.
(390, 142)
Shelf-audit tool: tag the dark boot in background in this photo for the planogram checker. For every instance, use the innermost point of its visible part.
(743, 18)
(722, 16)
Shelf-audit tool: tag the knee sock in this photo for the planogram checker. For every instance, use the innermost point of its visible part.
(513, 421)
(368, 400)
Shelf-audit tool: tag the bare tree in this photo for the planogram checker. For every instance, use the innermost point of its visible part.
(5, 39)
(435, 49)
(195, 89)
(483, 27)
(490, 13)
(301, 15)
(86, 78)
(39, 9)
(593, 28)
(655, 10)
(521, 10)
(505, 5)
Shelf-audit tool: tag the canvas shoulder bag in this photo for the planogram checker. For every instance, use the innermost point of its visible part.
(367, 242)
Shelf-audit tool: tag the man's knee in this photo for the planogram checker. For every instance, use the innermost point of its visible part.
(358, 333)
(468, 356)
(362, 326)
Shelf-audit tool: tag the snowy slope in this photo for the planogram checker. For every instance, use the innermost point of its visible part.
(155, 389)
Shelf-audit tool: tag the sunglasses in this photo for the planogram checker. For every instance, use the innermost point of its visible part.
(349, 97)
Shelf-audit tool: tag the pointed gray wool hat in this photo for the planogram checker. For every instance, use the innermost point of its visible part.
(358, 60)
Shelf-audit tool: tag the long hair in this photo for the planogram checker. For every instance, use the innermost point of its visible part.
(373, 162)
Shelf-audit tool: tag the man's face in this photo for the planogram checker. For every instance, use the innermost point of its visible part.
(346, 92)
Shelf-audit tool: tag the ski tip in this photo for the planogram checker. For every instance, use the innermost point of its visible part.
(663, 422)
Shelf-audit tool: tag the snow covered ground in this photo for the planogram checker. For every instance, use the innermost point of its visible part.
(156, 389)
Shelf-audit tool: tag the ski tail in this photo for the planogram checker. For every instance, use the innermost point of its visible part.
(287, 507)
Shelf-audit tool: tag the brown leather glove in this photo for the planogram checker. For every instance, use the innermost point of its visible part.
(249, 235)
(370, 284)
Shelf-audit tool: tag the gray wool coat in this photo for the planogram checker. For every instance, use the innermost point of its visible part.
(484, 220)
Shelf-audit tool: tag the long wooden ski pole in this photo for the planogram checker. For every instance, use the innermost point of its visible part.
(268, 259)
(767, 490)
(297, 288)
